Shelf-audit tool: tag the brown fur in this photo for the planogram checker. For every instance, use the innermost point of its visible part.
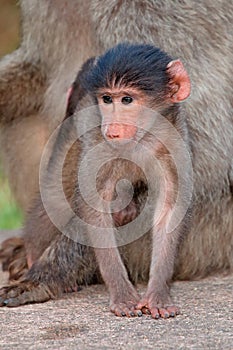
(13, 255)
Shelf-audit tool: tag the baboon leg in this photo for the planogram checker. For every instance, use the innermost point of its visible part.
(63, 266)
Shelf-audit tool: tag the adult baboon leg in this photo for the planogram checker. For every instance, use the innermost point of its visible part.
(63, 266)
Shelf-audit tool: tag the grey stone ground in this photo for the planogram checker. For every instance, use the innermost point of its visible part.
(82, 321)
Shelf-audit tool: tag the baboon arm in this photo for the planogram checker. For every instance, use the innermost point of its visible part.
(22, 86)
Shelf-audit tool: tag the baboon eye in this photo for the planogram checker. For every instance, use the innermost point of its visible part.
(126, 100)
(107, 99)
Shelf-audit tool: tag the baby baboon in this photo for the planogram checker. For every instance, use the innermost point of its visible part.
(136, 88)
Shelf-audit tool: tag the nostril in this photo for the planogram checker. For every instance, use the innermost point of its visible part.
(113, 136)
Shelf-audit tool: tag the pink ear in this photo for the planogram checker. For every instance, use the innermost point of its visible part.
(179, 81)
(69, 92)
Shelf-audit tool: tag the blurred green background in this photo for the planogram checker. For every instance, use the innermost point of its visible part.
(10, 215)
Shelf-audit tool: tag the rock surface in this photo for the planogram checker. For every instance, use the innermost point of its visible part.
(82, 321)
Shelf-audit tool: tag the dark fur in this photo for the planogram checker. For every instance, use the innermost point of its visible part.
(139, 66)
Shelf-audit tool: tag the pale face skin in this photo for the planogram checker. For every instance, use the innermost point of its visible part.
(122, 107)
(121, 111)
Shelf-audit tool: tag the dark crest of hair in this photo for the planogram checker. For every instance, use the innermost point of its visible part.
(133, 65)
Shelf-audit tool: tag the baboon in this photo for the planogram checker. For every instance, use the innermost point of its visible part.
(135, 87)
(35, 78)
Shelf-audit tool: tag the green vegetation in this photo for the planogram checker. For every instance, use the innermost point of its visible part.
(10, 215)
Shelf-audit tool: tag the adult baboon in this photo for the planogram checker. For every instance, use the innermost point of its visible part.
(58, 36)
